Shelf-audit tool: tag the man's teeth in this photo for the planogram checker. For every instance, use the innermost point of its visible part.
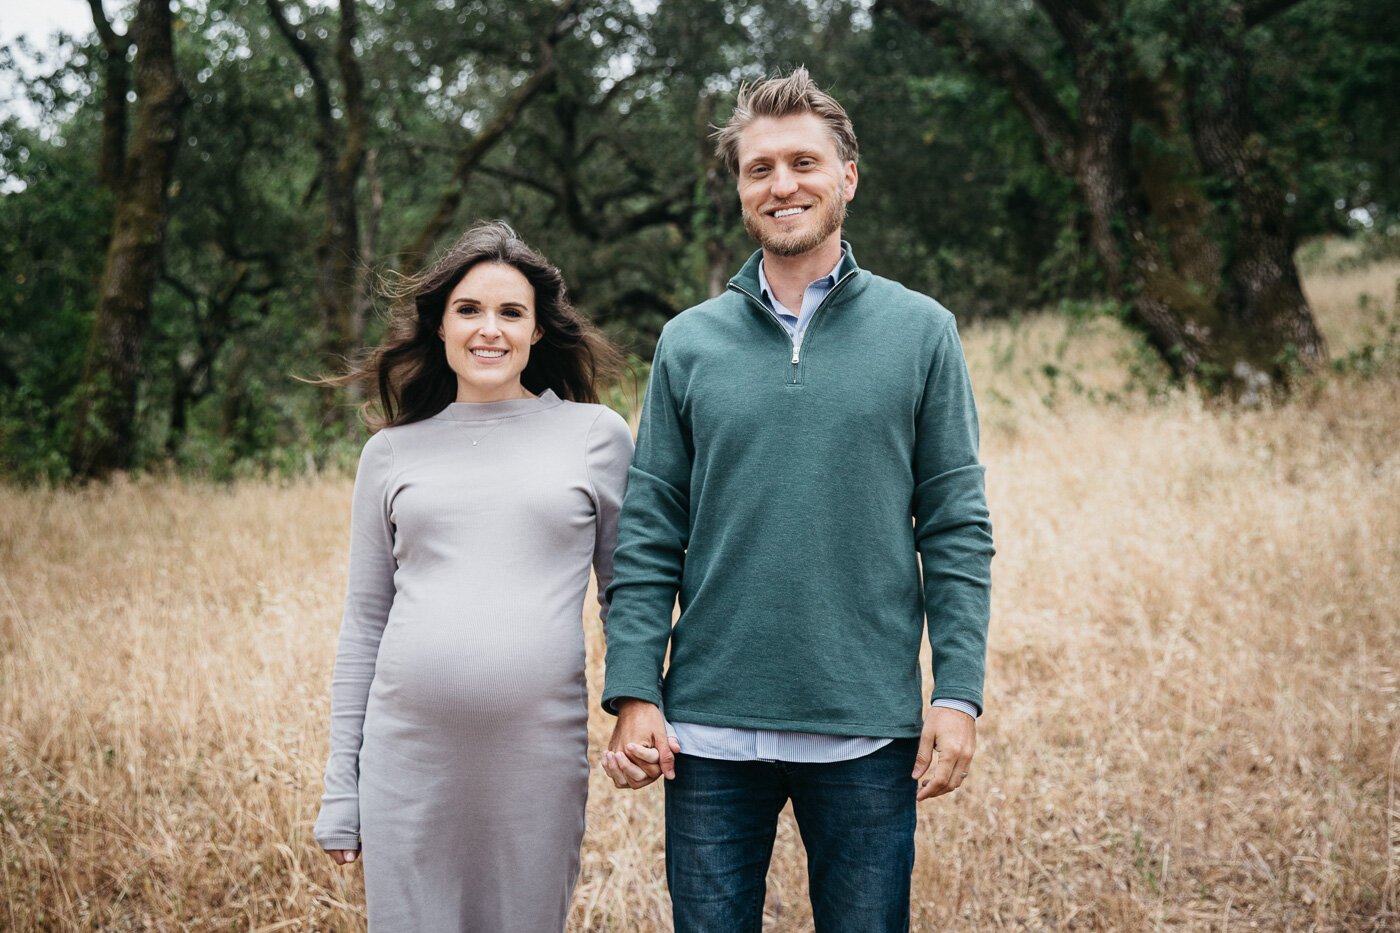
(489, 354)
(788, 211)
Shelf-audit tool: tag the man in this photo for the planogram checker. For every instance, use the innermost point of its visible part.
(807, 435)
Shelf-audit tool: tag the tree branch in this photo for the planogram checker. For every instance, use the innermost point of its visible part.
(307, 53)
(483, 142)
(1260, 11)
(520, 178)
(111, 159)
(1075, 20)
(111, 39)
(1031, 93)
(356, 112)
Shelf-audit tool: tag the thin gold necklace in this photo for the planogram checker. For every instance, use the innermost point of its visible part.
(525, 393)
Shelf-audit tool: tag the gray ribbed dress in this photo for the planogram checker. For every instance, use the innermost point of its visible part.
(459, 711)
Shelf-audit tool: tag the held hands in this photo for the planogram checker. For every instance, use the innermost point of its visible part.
(953, 734)
(640, 750)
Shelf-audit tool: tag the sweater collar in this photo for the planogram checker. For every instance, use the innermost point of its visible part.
(494, 411)
(747, 277)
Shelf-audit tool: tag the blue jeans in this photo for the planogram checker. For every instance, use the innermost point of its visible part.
(856, 819)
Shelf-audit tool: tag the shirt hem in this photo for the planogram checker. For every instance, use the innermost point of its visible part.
(859, 730)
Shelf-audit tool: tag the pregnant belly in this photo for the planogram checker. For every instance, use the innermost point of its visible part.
(464, 673)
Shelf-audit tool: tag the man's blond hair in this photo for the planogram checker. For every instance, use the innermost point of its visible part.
(786, 96)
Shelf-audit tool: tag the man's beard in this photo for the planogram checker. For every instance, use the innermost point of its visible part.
(829, 220)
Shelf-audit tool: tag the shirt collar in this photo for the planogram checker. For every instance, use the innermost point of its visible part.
(829, 279)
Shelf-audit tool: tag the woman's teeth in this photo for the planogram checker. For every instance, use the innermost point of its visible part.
(489, 354)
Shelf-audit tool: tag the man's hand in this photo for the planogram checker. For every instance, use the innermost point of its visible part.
(953, 735)
(640, 750)
(343, 856)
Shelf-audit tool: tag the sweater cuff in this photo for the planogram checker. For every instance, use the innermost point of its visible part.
(338, 823)
(612, 695)
(339, 843)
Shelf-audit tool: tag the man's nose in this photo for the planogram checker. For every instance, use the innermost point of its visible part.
(784, 183)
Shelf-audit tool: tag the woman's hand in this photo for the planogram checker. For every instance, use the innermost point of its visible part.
(343, 856)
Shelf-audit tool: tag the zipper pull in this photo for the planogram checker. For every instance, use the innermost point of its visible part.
(796, 352)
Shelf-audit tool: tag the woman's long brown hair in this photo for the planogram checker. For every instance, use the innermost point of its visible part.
(408, 372)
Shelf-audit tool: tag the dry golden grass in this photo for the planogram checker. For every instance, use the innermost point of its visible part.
(1194, 684)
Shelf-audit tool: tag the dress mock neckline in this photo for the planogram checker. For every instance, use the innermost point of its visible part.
(494, 411)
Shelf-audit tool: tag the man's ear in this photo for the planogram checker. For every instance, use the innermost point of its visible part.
(852, 178)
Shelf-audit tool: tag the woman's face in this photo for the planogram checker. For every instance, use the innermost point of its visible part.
(487, 329)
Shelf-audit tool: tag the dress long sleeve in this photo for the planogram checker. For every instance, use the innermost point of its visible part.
(368, 598)
(609, 453)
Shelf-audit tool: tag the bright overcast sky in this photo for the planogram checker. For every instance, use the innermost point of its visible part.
(38, 19)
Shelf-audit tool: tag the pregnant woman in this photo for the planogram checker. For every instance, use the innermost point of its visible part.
(458, 761)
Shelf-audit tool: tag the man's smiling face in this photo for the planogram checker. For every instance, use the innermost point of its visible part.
(793, 186)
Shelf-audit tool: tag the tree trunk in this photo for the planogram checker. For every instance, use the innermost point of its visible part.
(340, 156)
(1211, 283)
(716, 199)
(215, 325)
(116, 77)
(104, 430)
(1121, 220)
(1265, 319)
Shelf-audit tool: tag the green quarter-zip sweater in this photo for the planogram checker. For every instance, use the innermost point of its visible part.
(788, 498)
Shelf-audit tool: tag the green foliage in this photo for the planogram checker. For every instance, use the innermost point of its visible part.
(603, 172)
(1378, 354)
(1324, 90)
(52, 243)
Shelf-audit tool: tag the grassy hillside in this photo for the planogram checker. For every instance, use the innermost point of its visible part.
(1194, 690)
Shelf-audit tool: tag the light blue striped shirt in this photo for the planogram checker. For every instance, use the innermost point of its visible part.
(731, 744)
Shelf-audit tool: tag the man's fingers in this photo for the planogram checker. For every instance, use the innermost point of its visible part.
(937, 783)
(667, 758)
(924, 757)
(962, 768)
(947, 774)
